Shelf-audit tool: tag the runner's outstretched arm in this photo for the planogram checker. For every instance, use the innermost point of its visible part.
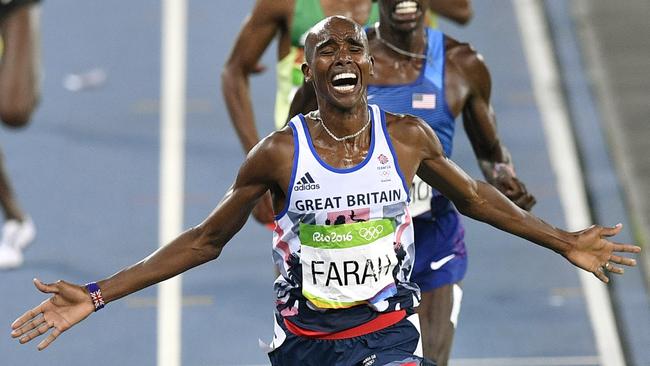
(71, 303)
(588, 249)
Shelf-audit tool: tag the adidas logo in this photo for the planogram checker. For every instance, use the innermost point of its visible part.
(306, 183)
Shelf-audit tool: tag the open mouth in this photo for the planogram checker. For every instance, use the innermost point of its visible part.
(406, 9)
(344, 82)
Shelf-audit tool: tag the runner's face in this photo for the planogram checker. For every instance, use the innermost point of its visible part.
(340, 64)
(402, 15)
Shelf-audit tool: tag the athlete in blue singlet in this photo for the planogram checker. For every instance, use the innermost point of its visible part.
(422, 72)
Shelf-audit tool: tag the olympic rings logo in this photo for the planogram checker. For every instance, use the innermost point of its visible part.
(372, 232)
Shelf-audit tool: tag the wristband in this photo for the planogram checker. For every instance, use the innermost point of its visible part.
(96, 295)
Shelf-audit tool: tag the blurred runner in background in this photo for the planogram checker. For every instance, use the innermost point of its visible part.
(19, 92)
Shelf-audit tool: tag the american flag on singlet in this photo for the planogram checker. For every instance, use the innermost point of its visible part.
(423, 101)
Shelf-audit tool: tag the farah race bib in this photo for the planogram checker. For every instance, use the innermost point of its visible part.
(349, 264)
(421, 194)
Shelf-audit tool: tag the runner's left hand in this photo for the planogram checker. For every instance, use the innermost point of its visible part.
(594, 253)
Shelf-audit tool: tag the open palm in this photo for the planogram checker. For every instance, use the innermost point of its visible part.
(69, 305)
(594, 253)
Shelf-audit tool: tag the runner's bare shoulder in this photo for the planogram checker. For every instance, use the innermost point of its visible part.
(278, 142)
(275, 150)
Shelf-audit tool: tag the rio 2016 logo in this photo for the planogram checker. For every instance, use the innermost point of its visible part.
(332, 237)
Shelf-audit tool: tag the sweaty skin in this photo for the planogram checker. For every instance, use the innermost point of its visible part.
(268, 167)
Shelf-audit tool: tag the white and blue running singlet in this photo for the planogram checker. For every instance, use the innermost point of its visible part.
(343, 243)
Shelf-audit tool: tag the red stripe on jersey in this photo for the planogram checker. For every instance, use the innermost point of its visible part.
(383, 320)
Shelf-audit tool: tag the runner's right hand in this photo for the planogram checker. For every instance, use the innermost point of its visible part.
(69, 305)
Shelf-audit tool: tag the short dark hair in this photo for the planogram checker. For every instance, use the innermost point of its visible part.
(314, 30)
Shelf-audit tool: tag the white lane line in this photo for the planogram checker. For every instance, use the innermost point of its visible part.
(562, 151)
(172, 174)
(636, 196)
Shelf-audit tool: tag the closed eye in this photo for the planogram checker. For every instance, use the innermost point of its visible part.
(326, 51)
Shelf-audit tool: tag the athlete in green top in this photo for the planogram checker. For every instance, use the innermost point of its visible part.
(289, 20)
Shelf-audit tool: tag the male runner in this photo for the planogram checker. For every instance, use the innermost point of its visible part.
(344, 295)
(422, 72)
(290, 20)
(18, 98)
